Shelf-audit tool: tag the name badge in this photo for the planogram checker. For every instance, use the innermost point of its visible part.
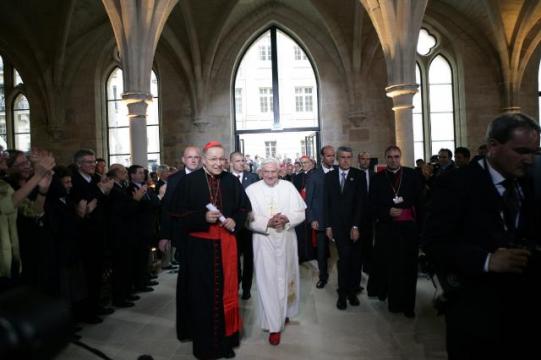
(398, 200)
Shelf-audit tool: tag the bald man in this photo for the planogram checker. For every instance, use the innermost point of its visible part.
(169, 232)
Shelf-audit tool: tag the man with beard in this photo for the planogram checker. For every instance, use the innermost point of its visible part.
(211, 206)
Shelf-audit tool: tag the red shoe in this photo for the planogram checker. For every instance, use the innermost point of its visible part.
(274, 338)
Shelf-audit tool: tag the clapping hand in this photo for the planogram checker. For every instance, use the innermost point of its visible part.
(91, 206)
(139, 193)
(43, 162)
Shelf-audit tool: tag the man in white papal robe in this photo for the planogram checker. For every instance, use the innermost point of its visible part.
(277, 208)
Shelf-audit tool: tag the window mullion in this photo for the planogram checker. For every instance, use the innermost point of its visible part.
(275, 89)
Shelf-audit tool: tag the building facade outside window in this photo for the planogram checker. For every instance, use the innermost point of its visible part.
(299, 54)
(265, 53)
(238, 101)
(303, 99)
(265, 100)
(270, 149)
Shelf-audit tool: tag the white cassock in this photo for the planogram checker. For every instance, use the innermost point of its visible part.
(276, 261)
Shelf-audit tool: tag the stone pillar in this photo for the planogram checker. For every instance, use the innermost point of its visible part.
(402, 96)
(137, 109)
(137, 25)
(397, 23)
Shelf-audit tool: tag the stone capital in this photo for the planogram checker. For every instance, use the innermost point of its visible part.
(137, 103)
(511, 109)
(402, 95)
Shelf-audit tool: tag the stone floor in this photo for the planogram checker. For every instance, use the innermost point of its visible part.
(319, 332)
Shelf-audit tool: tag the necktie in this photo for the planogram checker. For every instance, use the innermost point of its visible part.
(511, 203)
(367, 176)
(342, 181)
(240, 177)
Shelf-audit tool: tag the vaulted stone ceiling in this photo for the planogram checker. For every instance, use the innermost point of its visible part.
(513, 29)
(39, 35)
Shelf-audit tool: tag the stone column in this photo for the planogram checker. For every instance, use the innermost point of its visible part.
(402, 96)
(137, 25)
(397, 23)
(137, 109)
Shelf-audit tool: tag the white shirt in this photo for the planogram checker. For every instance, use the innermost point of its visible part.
(326, 169)
(237, 175)
(87, 177)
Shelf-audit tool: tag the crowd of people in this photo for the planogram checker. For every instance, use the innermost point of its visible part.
(219, 219)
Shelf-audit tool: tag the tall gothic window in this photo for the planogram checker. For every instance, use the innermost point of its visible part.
(118, 127)
(279, 98)
(418, 127)
(21, 123)
(433, 113)
(538, 89)
(15, 113)
(3, 123)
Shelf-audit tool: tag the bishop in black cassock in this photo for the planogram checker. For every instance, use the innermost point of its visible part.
(207, 288)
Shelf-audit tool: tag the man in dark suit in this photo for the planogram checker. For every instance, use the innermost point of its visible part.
(344, 193)
(162, 172)
(244, 236)
(143, 230)
(315, 190)
(394, 197)
(91, 188)
(305, 246)
(367, 233)
(122, 208)
(170, 233)
(482, 234)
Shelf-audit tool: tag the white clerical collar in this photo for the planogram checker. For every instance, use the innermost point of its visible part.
(87, 177)
(187, 171)
(326, 169)
(394, 171)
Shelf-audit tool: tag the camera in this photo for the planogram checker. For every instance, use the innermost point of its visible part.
(33, 326)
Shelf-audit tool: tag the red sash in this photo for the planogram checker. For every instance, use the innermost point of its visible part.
(229, 265)
(406, 215)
